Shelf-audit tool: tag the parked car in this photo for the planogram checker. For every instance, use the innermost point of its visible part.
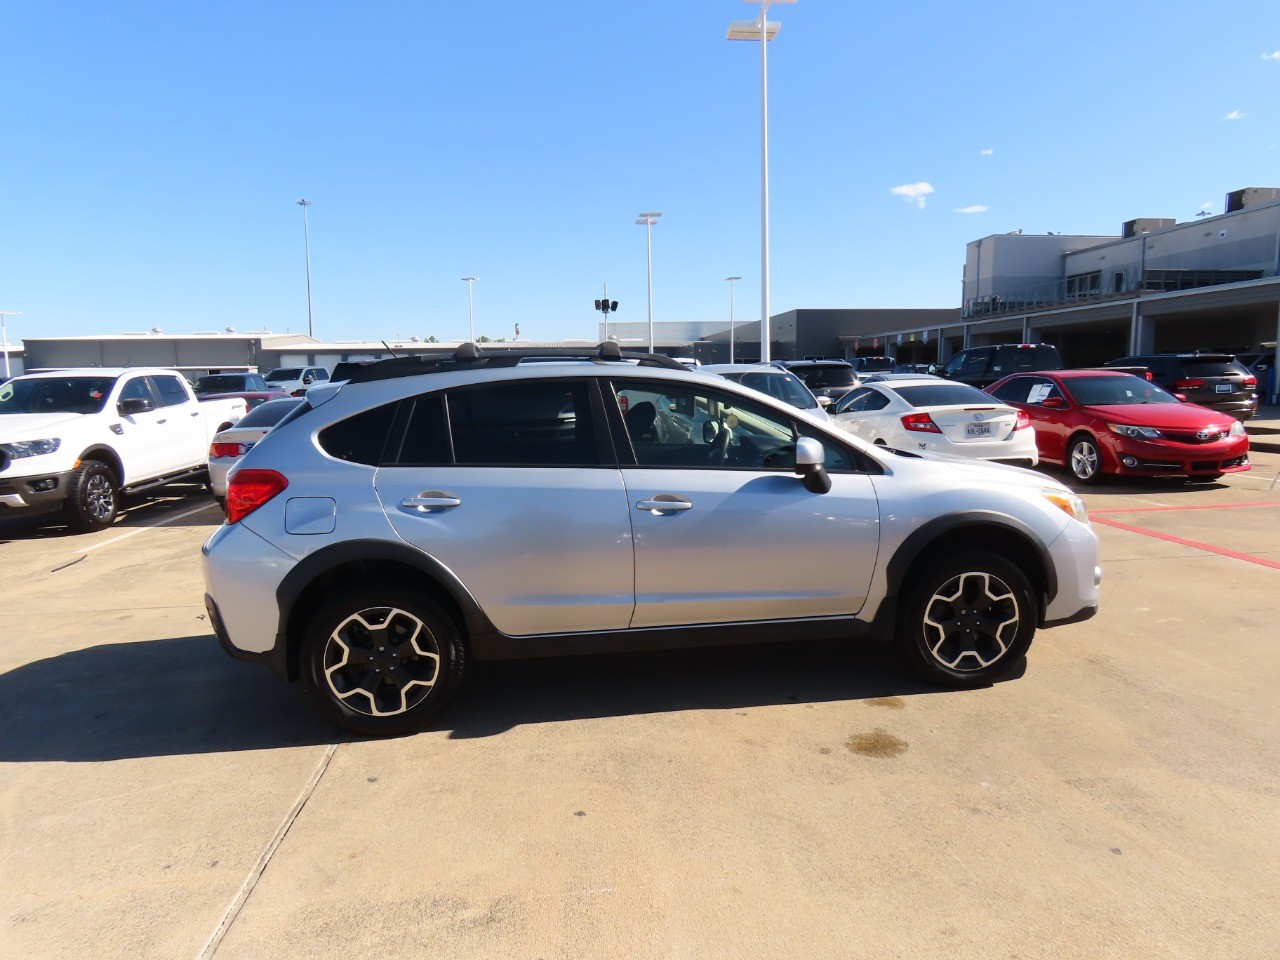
(772, 382)
(915, 368)
(229, 383)
(1215, 380)
(983, 366)
(229, 445)
(251, 398)
(877, 364)
(928, 413)
(1097, 422)
(295, 380)
(73, 441)
(824, 378)
(428, 513)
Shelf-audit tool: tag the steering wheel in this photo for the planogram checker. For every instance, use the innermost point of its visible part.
(719, 452)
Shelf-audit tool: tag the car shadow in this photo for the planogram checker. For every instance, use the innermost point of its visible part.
(135, 511)
(1161, 485)
(183, 695)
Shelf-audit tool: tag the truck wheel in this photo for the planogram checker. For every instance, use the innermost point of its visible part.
(969, 620)
(92, 498)
(381, 661)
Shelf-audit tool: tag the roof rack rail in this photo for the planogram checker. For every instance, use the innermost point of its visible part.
(469, 356)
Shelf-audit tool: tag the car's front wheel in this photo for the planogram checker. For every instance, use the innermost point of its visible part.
(968, 621)
(1084, 459)
(381, 661)
(92, 498)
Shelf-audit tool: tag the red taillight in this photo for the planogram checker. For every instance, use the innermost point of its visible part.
(1023, 421)
(247, 490)
(226, 450)
(1149, 376)
(920, 423)
(1193, 384)
(1250, 382)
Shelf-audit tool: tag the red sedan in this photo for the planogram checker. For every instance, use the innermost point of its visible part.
(1095, 422)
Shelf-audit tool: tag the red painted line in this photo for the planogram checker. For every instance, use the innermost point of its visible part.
(1232, 554)
(1192, 506)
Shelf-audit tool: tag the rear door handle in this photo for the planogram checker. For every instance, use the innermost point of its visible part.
(165, 420)
(665, 503)
(431, 500)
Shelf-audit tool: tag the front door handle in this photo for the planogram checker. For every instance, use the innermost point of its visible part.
(431, 500)
(665, 503)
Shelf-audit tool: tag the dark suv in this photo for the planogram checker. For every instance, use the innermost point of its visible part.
(1215, 380)
(825, 378)
(983, 366)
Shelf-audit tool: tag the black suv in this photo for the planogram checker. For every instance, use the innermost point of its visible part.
(825, 378)
(983, 366)
(1215, 380)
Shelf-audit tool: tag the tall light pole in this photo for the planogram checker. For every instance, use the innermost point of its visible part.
(306, 239)
(4, 336)
(731, 281)
(471, 305)
(763, 31)
(647, 220)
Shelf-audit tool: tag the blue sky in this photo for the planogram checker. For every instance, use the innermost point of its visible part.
(151, 153)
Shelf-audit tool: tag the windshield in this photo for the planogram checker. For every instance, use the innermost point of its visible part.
(285, 373)
(1116, 391)
(833, 375)
(943, 395)
(780, 386)
(268, 414)
(55, 395)
(221, 383)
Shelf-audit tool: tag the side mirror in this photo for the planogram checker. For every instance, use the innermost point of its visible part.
(132, 405)
(810, 458)
(824, 402)
(1054, 403)
(308, 379)
(1180, 397)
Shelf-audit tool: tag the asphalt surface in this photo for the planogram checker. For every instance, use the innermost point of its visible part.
(1116, 799)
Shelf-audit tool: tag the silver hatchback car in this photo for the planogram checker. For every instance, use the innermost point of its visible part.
(431, 512)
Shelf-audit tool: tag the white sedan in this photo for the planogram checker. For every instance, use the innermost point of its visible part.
(937, 416)
(233, 443)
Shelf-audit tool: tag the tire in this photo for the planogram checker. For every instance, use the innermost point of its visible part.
(975, 642)
(381, 688)
(93, 498)
(1084, 459)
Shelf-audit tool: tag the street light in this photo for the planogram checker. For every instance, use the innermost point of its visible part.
(647, 220)
(306, 238)
(471, 305)
(763, 31)
(4, 336)
(731, 281)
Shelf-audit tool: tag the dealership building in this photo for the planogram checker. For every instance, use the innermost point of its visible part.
(1211, 283)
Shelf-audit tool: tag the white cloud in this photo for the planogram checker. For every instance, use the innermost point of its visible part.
(976, 208)
(913, 192)
(1235, 115)
(987, 152)
(1272, 56)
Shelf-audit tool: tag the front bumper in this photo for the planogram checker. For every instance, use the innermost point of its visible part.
(40, 492)
(1136, 457)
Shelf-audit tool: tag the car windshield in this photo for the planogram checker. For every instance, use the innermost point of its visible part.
(268, 414)
(220, 383)
(943, 395)
(780, 386)
(285, 373)
(55, 395)
(834, 375)
(1116, 391)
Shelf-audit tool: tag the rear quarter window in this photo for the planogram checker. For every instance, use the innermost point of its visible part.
(358, 439)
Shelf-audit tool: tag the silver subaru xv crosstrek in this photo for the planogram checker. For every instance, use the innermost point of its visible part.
(431, 512)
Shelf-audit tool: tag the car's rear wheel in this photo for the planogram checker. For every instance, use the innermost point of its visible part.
(381, 661)
(92, 497)
(1084, 459)
(969, 620)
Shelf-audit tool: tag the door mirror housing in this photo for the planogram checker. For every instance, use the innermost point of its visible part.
(810, 457)
(824, 402)
(1054, 403)
(128, 407)
(1180, 397)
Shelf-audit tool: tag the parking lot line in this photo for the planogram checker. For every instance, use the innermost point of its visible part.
(149, 526)
(1192, 506)
(1221, 551)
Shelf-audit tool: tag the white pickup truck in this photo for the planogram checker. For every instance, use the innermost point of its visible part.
(75, 440)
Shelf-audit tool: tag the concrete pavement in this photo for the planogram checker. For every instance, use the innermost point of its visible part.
(1118, 799)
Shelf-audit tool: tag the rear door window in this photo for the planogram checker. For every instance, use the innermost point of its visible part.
(171, 390)
(539, 423)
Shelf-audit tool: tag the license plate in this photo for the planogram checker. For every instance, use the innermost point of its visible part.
(1223, 388)
(978, 430)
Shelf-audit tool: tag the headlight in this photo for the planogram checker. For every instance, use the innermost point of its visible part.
(1237, 429)
(1140, 433)
(30, 448)
(1068, 503)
